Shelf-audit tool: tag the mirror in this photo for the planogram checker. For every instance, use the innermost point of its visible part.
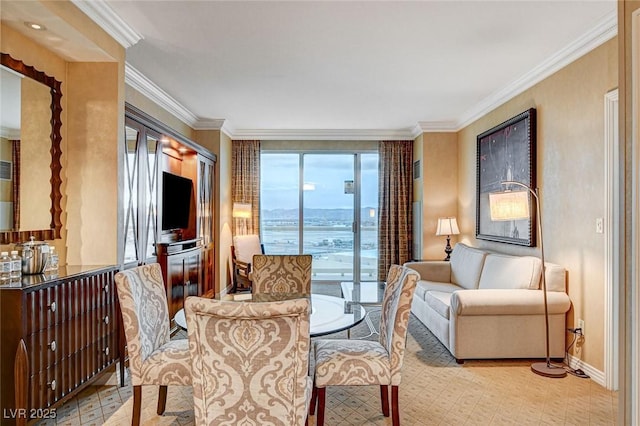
(29, 154)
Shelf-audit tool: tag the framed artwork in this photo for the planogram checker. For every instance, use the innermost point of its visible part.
(506, 152)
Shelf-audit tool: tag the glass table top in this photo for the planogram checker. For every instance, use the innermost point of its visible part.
(329, 314)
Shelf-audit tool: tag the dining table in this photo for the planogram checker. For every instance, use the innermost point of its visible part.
(329, 314)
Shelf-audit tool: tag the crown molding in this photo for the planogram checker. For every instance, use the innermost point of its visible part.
(324, 134)
(100, 12)
(142, 84)
(606, 29)
(437, 126)
(209, 124)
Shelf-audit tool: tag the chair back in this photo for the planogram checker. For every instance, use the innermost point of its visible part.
(249, 361)
(245, 246)
(282, 273)
(394, 319)
(145, 313)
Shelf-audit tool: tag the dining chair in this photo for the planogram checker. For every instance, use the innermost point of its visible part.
(154, 359)
(281, 273)
(242, 251)
(346, 362)
(250, 361)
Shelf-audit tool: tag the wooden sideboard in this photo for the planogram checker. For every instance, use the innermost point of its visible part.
(57, 333)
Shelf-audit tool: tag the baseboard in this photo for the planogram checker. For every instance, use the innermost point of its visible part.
(595, 374)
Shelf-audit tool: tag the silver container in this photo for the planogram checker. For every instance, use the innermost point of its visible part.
(35, 255)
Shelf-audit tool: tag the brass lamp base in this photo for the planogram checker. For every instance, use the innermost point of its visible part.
(547, 370)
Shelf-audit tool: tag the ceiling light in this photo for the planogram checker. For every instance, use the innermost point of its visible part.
(35, 26)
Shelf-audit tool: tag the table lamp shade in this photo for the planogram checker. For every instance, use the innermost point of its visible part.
(241, 210)
(447, 226)
(509, 205)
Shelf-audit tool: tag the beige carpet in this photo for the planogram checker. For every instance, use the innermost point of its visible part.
(434, 391)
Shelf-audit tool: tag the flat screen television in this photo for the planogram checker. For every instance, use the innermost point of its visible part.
(176, 201)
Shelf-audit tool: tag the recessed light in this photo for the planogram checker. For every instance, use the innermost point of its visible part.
(35, 26)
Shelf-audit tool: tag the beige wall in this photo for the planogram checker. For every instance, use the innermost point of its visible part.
(92, 163)
(570, 175)
(220, 144)
(437, 187)
(92, 116)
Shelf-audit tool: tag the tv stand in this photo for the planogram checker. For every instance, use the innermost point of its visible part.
(182, 269)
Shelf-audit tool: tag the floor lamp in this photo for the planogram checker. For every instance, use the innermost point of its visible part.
(514, 205)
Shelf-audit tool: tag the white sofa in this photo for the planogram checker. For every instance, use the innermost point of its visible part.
(484, 305)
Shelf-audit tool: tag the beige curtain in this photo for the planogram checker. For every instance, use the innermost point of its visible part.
(395, 183)
(245, 184)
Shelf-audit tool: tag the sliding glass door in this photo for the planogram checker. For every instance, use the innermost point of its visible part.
(323, 204)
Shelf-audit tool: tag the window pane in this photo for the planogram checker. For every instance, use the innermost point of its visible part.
(279, 203)
(328, 215)
(369, 217)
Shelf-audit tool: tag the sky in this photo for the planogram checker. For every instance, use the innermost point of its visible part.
(326, 173)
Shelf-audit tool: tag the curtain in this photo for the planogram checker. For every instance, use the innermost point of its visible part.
(245, 184)
(395, 183)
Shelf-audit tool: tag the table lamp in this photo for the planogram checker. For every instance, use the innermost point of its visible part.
(514, 205)
(447, 226)
(242, 211)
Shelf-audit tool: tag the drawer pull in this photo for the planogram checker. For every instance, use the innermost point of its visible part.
(52, 385)
(53, 346)
(52, 307)
(106, 319)
(106, 351)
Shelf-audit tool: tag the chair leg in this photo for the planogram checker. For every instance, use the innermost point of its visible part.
(137, 405)
(321, 400)
(312, 403)
(395, 410)
(162, 400)
(384, 398)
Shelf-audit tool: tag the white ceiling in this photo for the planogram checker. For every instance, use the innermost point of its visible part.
(269, 68)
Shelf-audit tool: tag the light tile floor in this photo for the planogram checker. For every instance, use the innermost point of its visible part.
(434, 391)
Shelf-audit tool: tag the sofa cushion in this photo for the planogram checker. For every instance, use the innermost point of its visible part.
(502, 271)
(466, 265)
(425, 286)
(439, 301)
(556, 277)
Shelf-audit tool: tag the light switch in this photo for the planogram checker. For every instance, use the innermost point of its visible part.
(599, 225)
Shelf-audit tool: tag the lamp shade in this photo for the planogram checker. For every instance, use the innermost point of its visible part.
(509, 205)
(241, 210)
(447, 226)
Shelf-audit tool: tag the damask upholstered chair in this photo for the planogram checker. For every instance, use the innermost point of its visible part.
(250, 361)
(344, 362)
(282, 274)
(242, 251)
(154, 359)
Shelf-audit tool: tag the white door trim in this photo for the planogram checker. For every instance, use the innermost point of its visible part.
(612, 239)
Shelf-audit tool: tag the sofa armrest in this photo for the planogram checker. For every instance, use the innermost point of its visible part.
(432, 270)
(507, 302)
